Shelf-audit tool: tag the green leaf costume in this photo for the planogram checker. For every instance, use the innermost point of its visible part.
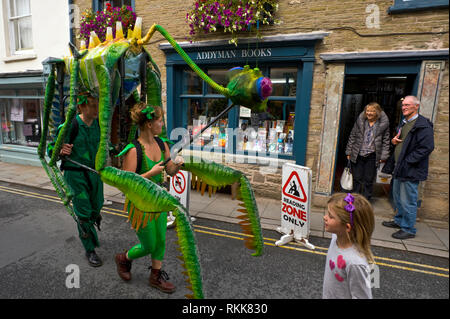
(87, 187)
(150, 226)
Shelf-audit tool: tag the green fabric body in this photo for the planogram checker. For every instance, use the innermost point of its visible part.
(87, 186)
(87, 203)
(85, 145)
(152, 237)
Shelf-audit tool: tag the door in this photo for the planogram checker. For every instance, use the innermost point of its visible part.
(360, 90)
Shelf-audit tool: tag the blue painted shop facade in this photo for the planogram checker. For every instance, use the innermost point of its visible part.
(287, 60)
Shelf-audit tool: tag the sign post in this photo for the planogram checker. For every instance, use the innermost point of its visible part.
(295, 205)
(179, 188)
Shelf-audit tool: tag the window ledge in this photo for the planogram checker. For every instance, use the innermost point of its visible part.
(21, 57)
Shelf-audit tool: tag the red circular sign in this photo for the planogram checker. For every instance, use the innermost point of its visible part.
(179, 182)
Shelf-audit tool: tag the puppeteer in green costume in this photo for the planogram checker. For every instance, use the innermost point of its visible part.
(150, 226)
(81, 146)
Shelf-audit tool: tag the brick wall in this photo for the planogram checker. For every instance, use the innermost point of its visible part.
(347, 22)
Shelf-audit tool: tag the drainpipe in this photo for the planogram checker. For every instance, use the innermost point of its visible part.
(72, 35)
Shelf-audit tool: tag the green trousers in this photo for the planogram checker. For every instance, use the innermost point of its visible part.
(152, 239)
(87, 203)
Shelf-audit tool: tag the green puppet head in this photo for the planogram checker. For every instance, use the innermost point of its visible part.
(249, 88)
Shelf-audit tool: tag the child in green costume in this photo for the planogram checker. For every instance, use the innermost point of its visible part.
(86, 185)
(150, 227)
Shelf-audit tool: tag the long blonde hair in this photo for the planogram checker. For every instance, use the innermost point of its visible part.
(363, 221)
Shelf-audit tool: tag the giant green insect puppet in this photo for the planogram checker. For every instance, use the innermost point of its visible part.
(110, 71)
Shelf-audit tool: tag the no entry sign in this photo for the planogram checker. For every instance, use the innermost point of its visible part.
(179, 183)
(179, 187)
(295, 204)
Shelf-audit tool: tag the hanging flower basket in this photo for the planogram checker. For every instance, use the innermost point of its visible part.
(100, 20)
(229, 16)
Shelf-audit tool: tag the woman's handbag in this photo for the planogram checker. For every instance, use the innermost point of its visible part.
(383, 178)
(347, 178)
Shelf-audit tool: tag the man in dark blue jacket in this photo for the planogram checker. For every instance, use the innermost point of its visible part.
(408, 165)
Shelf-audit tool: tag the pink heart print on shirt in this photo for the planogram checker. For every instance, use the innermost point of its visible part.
(341, 262)
(338, 277)
(332, 264)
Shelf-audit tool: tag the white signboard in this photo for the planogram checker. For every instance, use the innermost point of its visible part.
(16, 111)
(295, 204)
(180, 189)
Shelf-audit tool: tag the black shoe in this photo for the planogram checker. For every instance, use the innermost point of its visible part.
(402, 235)
(390, 224)
(93, 259)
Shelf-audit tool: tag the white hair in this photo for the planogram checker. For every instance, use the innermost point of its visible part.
(414, 99)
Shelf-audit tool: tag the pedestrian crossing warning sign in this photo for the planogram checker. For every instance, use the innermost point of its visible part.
(294, 188)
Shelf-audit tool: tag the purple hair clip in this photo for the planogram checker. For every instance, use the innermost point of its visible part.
(349, 207)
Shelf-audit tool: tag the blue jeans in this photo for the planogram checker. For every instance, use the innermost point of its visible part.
(405, 199)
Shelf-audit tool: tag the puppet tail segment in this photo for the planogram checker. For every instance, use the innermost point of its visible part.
(214, 175)
(189, 253)
(250, 221)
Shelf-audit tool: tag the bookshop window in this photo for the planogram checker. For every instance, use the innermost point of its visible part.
(267, 132)
(271, 131)
(202, 106)
(200, 113)
(21, 121)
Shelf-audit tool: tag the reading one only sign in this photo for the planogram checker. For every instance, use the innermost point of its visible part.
(295, 200)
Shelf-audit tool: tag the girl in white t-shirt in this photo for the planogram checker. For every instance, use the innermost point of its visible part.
(347, 273)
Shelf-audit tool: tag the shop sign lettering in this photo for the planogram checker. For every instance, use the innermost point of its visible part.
(233, 54)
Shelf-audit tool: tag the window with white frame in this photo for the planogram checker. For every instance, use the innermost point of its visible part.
(98, 5)
(19, 25)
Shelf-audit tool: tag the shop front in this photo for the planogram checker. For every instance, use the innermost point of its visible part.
(278, 134)
(21, 104)
(355, 79)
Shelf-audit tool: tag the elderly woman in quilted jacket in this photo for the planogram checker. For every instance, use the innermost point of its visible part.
(367, 146)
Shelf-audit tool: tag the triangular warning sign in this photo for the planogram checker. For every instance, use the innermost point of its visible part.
(294, 188)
